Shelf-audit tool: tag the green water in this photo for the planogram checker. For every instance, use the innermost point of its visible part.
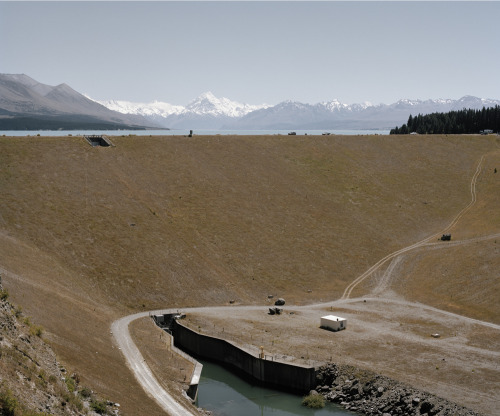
(226, 394)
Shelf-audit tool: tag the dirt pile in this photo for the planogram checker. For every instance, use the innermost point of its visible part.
(372, 394)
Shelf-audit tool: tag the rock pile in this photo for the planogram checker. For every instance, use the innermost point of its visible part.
(371, 394)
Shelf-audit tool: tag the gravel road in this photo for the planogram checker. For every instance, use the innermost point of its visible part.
(141, 370)
(377, 304)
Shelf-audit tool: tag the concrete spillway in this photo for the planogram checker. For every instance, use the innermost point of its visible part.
(270, 372)
(96, 140)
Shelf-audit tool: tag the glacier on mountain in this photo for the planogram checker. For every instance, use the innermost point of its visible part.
(154, 108)
(210, 112)
(206, 104)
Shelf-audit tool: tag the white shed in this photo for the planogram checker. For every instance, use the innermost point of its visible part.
(333, 323)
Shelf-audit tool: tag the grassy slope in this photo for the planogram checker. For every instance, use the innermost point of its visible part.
(464, 279)
(171, 221)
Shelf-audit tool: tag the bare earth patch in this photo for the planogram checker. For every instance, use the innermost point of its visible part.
(393, 339)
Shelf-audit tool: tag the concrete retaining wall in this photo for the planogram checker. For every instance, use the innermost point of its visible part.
(274, 373)
(166, 322)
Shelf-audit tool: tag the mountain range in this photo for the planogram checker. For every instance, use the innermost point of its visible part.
(210, 112)
(26, 104)
(206, 112)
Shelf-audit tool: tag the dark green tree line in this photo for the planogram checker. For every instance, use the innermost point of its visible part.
(466, 121)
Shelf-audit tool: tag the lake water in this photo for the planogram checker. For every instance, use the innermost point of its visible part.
(226, 394)
(184, 132)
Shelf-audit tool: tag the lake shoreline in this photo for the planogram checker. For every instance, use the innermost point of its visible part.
(194, 132)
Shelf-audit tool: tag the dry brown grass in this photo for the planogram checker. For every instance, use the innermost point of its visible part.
(460, 279)
(89, 234)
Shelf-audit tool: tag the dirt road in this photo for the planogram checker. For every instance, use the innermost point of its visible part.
(141, 370)
(307, 317)
(379, 318)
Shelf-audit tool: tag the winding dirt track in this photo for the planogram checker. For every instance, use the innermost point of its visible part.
(141, 370)
(145, 377)
(372, 269)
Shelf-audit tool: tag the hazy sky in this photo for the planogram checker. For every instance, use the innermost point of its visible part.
(256, 52)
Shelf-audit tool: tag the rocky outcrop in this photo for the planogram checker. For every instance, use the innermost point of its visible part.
(32, 381)
(371, 394)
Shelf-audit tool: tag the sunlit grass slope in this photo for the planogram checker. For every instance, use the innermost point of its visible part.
(89, 234)
(163, 221)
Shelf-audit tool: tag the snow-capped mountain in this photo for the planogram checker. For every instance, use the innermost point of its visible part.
(209, 112)
(337, 106)
(473, 102)
(206, 111)
(336, 115)
(154, 108)
(209, 104)
(26, 104)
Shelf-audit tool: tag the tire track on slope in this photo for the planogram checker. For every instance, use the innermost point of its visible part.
(348, 290)
(384, 282)
(143, 374)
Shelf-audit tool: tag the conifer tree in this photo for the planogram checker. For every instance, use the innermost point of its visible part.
(466, 121)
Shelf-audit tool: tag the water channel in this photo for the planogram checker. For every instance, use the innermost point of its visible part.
(227, 394)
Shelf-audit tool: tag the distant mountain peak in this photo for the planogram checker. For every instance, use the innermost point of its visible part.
(24, 98)
(292, 103)
(206, 104)
(65, 88)
(210, 112)
(208, 95)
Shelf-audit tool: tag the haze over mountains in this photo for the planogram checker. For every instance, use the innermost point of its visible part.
(26, 104)
(207, 111)
(210, 112)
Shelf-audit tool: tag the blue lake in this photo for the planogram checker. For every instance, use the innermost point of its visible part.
(185, 132)
(227, 394)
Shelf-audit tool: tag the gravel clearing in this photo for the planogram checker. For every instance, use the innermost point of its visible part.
(390, 337)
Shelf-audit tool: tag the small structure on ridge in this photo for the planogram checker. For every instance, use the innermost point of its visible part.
(97, 140)
(333, 323)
